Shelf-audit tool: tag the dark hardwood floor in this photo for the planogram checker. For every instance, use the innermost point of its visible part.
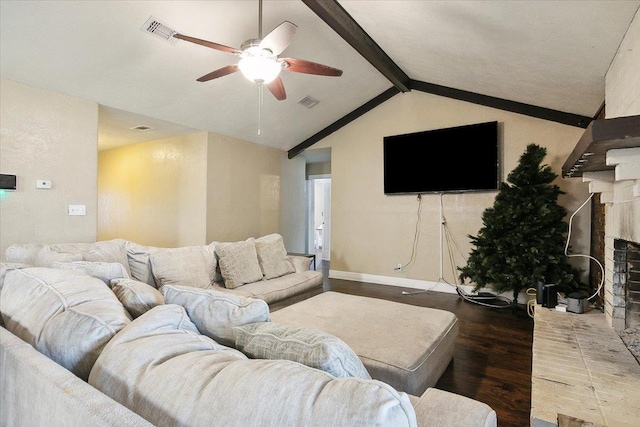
(492, 355)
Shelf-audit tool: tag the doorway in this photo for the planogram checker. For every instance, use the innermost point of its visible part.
(319, 219)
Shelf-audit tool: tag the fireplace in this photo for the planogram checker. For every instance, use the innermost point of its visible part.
(626, 281)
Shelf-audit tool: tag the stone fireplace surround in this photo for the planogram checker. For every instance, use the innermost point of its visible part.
(583, 364)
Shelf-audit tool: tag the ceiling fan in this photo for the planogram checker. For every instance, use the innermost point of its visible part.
(259, 58)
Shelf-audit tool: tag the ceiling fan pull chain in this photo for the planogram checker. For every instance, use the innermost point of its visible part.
(260, 98)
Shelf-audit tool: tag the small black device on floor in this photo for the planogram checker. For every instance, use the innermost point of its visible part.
(546, 295)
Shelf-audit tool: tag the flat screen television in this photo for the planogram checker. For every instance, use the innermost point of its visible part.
(451, 160)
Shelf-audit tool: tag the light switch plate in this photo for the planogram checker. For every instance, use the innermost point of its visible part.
(77, 210)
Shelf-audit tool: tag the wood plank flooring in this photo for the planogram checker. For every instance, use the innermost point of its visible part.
(492, 355)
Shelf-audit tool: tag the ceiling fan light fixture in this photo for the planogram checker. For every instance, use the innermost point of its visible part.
(260, 69)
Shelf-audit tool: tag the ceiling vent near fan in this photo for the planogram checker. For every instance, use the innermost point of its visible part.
(158, 29)
(141, 128)
(308, 102)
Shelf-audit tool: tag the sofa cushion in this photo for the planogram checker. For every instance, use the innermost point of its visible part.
(310, 347)
(185, 266)
(272, 256)
(104, 271)
(238, 262)
(46, 257)
(66, 315)
(24, 253)
(280, 288)
(107, 251)
(137, 297)
(5, 267)
(215, 313)
(197, 382)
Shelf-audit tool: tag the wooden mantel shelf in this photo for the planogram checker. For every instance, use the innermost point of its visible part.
(590, 154)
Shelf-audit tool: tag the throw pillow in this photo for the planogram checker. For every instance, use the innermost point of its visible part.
(139, 263)
(137, 297)
(308, 346)
(216, 313)
(238, 263)
(104, 271)
(66, 315)
(272, 256)
(186, 266)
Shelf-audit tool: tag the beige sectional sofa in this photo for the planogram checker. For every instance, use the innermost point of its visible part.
(288, 278)
(83, 343)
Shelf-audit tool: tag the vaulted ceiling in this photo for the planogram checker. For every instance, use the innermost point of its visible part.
(547, 59)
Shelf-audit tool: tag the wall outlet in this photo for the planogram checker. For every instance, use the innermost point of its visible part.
(399, 267)
(43, 184)
(77, 210)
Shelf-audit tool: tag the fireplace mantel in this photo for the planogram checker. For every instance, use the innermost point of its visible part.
(590, 153)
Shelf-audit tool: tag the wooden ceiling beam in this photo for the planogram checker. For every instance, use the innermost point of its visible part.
(342, 23)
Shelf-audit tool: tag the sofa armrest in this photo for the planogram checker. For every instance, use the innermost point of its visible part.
(442, 408)
(44, 393)
(301, 263)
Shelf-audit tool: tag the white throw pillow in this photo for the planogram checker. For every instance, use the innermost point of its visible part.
(139, 262)
(185, 266)
(66, 315)
(216, 313)
(272, 256)
(104, 271)
(238, 262)
(137, 297)
(308, 346)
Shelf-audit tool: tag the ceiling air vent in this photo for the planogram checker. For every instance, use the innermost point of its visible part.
(158, 29)
(141, 128)
(308, 102)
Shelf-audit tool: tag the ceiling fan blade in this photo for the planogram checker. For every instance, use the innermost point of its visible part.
(276, 87)
(206, 43)
(279, 38)
(219, 73)
(308, 67)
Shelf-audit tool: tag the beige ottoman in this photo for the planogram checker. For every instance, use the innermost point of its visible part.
(407, 347)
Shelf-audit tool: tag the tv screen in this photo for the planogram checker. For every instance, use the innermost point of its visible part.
(457, 159)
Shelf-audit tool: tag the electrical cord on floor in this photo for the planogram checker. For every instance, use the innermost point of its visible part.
(566, 248)
(532, 302)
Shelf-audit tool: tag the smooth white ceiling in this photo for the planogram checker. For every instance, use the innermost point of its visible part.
(552, 54)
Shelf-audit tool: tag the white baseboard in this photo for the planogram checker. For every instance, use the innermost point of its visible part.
(398, 281)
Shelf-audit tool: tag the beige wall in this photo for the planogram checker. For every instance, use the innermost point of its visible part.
(154, 193)
(243, 194)
(372, 232)
(51, 136)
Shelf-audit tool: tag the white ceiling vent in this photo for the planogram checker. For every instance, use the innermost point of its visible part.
(158, 29)
(141, 128)
(308, 102)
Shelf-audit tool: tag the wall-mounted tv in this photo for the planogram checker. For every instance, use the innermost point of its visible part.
(451, 160)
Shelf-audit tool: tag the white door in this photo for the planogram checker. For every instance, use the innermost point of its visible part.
(326, 235)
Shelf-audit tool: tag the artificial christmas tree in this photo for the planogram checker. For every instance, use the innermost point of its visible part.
(523, 237)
